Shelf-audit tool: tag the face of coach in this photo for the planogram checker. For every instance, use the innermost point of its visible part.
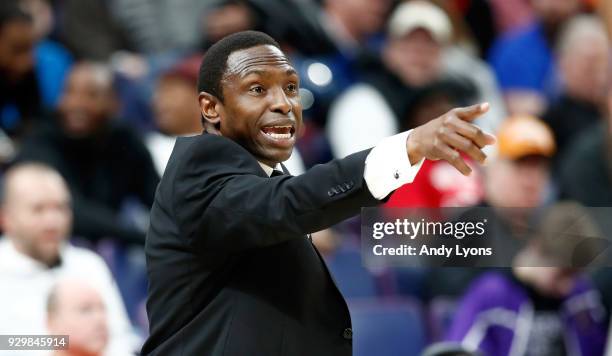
(251, 96)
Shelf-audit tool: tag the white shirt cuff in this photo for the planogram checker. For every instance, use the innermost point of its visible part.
(387, 166)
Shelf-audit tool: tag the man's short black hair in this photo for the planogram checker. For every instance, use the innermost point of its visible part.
(214, 62)
(11, 11)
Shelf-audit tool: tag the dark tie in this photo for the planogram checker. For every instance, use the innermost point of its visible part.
(276, 173)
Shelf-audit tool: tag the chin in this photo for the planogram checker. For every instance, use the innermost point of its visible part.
(282, 157)
(274, 156)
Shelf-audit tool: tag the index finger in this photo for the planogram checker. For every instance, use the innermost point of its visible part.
(473, 133)
(471, 112)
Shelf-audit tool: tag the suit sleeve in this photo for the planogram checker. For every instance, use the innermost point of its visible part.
(255, 211)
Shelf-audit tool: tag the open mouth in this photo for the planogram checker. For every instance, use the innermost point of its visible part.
(284, 132)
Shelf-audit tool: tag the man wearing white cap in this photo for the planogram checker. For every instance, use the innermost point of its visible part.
(366, 113)
(412, 59)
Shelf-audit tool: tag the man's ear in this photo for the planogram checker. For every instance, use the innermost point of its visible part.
(211, 118)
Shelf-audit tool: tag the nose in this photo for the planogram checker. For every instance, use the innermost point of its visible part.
(280, 103)
(69, 100)
(55, 219)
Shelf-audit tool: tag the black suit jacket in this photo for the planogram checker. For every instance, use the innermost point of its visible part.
(231, 270)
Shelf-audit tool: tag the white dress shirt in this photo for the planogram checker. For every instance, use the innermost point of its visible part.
(25, 284)
(388, 167)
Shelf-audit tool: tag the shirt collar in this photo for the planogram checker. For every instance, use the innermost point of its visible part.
(269, 169)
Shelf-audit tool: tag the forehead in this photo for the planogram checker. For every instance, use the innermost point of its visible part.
(49, 188)
(90, 76)
(260, 58)
(418, 33)
(73, 295)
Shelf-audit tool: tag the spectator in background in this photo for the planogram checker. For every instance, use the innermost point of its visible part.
(517, 179)
(175, 105)
(299, 33)
(339, 26)
(97, 29)
(583, 54)
(411, 60)
(76, 309)
(511, 15)
(20, 98)
(546, 306)
(519, 174)
(52, 60)
(351, 23)
(226, 18)
(585, 175)
(153, 27)
(586, 167)
(35, 253)
(524, 60)
(139, 39)
(104, 162)
(89, 30)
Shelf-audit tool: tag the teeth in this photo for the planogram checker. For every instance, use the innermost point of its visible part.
(288, 128)
(279, 136)
(279, 132)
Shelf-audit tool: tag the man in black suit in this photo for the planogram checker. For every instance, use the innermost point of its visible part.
(231, 268)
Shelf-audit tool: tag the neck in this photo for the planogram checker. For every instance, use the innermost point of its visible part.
(24, 251)
(194, 130)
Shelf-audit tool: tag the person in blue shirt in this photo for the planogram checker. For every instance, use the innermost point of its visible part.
(524, 60)
(33, 67)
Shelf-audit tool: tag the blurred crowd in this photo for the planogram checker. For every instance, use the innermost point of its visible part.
(93, 94)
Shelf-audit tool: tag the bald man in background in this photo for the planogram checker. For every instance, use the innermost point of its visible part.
(76, 308)
(35, 254)
(104, 162)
